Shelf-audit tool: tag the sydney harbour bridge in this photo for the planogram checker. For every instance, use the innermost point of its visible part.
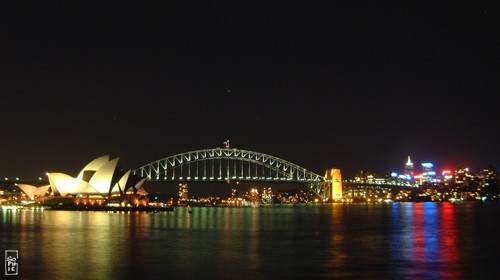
(227, 164)
(219, 165)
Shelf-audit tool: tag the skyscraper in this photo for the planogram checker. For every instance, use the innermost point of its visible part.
(408, 169)
(428, 175)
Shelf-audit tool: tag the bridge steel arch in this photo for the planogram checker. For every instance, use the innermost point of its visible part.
(222, 164)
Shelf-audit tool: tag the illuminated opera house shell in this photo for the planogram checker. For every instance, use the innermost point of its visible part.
(99, 177)
(32, 191)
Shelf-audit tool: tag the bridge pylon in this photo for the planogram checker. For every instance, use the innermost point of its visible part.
(333, 190)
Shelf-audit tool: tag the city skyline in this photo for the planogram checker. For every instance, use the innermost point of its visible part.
(417, 169)
(356, 86)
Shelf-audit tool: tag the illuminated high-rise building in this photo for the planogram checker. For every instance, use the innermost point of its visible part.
(408, 169)
(463, 177)
(428, 175)
(489, 183)
(488, 177)
(447, 177)
(427, 166)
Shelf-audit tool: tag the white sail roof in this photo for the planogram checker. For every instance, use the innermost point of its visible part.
(101, 180)
(65, 184)
(94, 165)
(32, 191)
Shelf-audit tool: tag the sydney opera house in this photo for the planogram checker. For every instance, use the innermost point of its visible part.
(100, 182)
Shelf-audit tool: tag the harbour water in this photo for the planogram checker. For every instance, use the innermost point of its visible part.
(356, 241)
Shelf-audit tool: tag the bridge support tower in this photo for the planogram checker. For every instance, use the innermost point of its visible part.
(333, 190)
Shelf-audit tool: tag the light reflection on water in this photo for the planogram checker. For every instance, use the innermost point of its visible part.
(385, 241)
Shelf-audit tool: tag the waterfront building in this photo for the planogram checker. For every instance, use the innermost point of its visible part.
(34, 192)
(183, 193)
(489, 182)
(462, 177)
(488, 176)
(99, 181)
(447, 177)
(267, 194)
(363, 176)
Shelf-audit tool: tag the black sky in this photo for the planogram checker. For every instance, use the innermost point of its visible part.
(350, 84)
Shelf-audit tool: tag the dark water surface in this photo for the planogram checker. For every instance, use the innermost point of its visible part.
(363, 241)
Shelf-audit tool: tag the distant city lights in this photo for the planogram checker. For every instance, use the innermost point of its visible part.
(427, 165)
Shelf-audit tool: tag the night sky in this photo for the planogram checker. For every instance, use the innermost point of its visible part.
(349, 84)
